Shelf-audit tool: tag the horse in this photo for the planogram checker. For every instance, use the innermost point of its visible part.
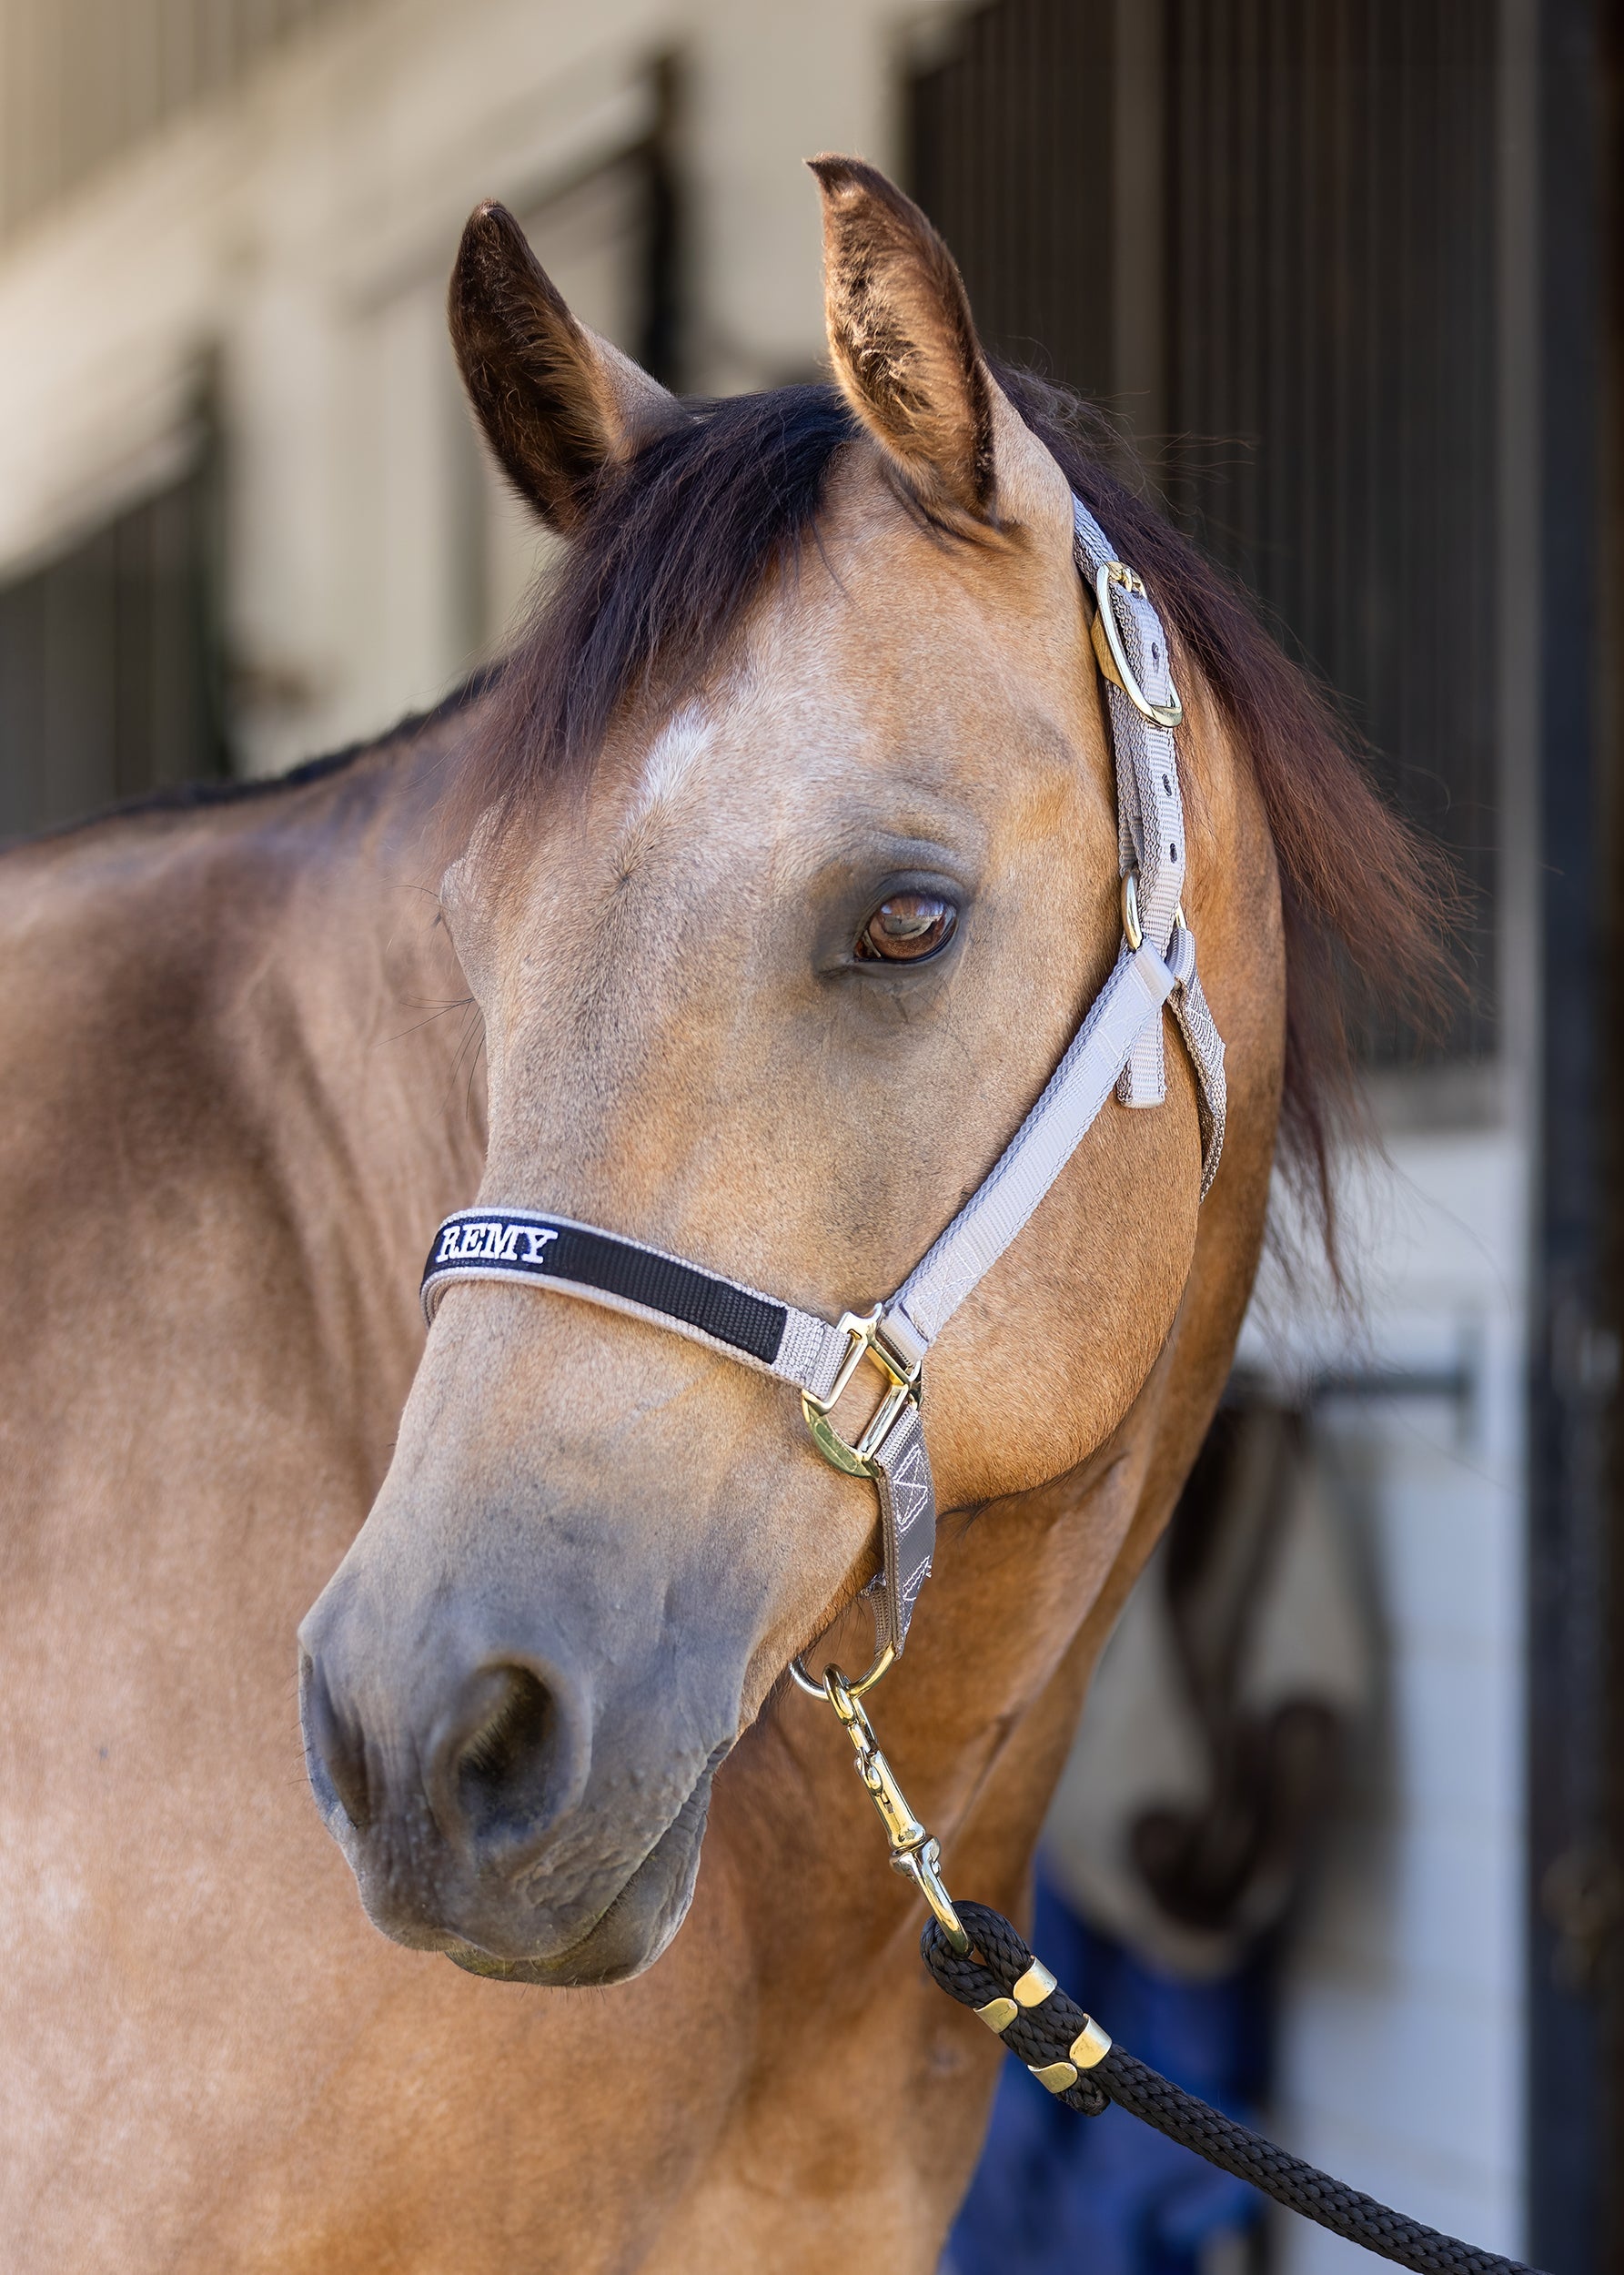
(744, 908)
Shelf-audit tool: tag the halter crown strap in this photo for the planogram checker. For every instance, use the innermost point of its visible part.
(1150, 825)
(1119, 1047)
(1119, 1043)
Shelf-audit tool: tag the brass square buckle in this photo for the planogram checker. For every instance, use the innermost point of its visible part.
(865, 1341)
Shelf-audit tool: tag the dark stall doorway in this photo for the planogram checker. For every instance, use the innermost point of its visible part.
(109, 684)
(1293, 213)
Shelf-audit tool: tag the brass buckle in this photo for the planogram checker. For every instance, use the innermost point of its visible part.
(1114, 657)
(863, 1331)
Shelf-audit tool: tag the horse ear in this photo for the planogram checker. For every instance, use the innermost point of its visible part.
(903, 341)
(557, 403)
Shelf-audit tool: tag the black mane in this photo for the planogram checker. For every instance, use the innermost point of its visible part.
(677, 543)
(654, 586)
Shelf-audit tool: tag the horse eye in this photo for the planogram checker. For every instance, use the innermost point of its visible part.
(907, 928)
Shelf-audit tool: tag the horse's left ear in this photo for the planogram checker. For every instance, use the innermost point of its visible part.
(903, 341)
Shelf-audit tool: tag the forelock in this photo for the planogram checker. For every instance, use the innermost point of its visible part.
(649, 595)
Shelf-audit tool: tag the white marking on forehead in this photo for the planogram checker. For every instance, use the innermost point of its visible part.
(672, 757)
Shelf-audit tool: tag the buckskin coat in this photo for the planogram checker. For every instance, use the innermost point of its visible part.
(553, 1655)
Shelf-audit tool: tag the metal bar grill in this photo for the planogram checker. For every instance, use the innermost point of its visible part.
(1331, 316)
(108, 680)
(1328, 264)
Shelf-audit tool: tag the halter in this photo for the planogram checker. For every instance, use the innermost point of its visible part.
(1119, 1045)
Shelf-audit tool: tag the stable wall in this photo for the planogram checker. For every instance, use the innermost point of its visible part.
(275, 262)
(1402, 2028)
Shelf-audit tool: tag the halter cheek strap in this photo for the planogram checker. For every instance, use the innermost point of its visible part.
(1119, 1047)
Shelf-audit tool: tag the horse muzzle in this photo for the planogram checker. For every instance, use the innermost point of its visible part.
(483, 1803)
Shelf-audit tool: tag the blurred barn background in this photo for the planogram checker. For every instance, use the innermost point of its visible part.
(1346, 271)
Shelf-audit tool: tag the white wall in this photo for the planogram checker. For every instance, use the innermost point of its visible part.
(1402, 2031)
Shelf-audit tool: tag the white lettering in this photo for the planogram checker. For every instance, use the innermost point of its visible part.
(493, 1242)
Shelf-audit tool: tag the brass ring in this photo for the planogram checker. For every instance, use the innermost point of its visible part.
(877, 1665)
(1133, 932)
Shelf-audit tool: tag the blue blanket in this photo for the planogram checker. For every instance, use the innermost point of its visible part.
(1059, 2194)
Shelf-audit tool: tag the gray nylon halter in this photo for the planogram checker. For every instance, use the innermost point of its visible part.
(1119, 1047)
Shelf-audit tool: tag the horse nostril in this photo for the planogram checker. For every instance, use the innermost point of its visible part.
(492, 1775)
(333, 1754)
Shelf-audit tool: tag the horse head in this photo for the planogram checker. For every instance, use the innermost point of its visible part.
(792, 865)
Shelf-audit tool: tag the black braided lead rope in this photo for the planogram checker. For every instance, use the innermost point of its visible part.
(1044, 2034)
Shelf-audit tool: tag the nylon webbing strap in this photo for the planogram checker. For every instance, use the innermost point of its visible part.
(1150, 815)
(1150, 826)
(1120, 1043)
(1131, 999)
(907, 1524)
(1118, 1047)
(646, 1283)
(519, 1244)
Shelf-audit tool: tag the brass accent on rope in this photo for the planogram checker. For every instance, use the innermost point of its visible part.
(1067, 2052)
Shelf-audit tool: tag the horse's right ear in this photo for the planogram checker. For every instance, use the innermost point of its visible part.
(902, 340)
(557, 403)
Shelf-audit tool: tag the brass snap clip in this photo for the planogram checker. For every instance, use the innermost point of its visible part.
(915, 1852)
(864, 1333)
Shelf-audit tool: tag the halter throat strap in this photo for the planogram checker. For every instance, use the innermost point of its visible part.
(1118, 1047)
